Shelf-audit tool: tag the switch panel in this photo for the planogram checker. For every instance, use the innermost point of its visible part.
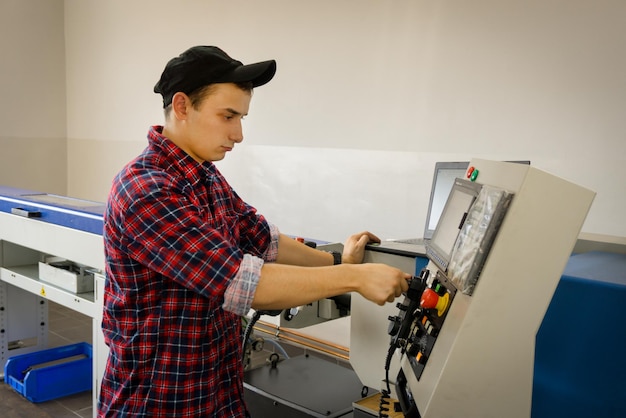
(421, 315)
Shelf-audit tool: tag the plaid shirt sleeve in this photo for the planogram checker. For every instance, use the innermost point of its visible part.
(271, 254)
(240, 291)
(201, 249)
(169, 235)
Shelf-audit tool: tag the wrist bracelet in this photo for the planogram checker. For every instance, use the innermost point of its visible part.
(336, 257)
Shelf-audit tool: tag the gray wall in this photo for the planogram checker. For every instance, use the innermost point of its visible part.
(368, 95)
(32, 95)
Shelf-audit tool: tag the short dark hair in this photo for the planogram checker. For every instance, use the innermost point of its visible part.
(201, 93)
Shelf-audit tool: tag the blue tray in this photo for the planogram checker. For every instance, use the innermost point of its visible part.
(50, 382)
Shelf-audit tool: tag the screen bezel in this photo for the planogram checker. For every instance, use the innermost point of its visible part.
(440, 256)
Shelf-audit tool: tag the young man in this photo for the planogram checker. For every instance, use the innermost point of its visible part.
(186, 257)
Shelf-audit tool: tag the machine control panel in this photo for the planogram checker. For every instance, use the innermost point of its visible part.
(421, 315)
(477, 275)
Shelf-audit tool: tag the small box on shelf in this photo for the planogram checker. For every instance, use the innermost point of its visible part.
(70, 276)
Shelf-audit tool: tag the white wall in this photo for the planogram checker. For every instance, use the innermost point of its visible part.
(368, 95)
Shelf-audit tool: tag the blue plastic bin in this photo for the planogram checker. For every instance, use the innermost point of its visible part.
(44, 383)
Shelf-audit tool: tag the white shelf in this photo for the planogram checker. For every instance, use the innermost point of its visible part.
(27, 278)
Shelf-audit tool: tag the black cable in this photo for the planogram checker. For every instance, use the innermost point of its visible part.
(248, 331)
(385, 394)
(250, 326)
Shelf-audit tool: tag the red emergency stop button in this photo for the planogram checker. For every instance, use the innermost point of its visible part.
(431, 300)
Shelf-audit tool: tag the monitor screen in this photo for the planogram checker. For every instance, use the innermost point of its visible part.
(443, 179)
(458, 203)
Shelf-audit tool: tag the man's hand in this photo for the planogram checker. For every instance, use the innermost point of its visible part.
(354, 247)
(381, 283)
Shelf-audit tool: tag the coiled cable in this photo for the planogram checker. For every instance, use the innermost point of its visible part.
(385, 394)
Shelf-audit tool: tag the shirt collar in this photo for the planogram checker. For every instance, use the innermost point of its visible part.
(178, 158)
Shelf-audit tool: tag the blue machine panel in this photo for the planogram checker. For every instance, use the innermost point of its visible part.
(73, 213)
(580, 365)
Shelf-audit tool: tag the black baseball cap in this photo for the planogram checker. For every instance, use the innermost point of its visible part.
(203, 65)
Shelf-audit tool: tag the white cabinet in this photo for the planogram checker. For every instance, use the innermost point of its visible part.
(24, 298)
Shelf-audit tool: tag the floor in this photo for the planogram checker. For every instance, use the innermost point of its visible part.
(65, 327)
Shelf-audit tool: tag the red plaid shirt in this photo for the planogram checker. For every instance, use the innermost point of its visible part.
(183, 257)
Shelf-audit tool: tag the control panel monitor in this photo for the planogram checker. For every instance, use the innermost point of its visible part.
(460, 199)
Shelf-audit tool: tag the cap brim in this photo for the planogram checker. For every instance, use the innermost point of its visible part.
(258, 73)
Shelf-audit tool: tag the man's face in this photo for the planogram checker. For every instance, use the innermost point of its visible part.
(214, 127)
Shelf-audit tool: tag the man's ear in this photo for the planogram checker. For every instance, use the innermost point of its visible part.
(180, 101)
